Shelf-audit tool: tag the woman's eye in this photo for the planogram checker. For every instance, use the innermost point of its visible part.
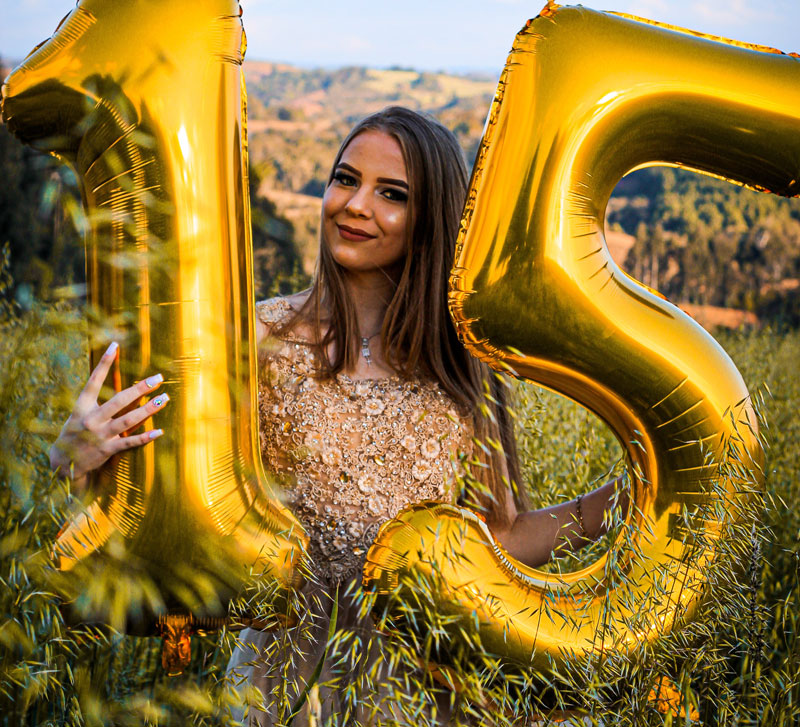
(395, 195)
(345, 179)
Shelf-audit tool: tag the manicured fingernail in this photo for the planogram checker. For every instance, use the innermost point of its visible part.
(160, 400)
(156, 433)
(153, 380)
(112, 349)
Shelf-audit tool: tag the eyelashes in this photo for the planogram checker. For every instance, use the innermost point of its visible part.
(345, 179)
(395, 195)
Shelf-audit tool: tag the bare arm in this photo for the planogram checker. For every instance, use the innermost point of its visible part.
(535, 535)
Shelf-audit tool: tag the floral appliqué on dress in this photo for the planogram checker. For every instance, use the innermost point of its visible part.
(351, 453)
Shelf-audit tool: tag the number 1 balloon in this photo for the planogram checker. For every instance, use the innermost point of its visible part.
(146, 101)
(585, 98)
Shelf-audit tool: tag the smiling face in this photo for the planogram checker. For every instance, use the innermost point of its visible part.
(364, 210)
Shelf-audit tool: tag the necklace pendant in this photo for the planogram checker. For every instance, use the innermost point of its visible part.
(365, 352)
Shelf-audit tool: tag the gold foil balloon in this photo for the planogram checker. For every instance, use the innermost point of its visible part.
(585, 98)
(145, 100)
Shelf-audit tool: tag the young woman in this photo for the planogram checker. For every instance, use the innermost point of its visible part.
(368, 403)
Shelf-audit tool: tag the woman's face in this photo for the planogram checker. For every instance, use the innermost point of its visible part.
(365, 205)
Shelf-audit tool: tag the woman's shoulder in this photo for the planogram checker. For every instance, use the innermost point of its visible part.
(274, 311)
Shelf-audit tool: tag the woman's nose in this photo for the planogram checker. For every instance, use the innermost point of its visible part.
(359, 204)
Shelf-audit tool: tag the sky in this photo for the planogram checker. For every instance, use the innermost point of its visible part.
(434, 35)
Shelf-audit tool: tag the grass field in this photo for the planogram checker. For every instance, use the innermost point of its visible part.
(739, 666)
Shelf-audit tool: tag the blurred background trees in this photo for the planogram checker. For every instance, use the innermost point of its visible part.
(700, 241)
(704, 241)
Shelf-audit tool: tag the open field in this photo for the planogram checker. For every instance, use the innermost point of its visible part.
(743, 669)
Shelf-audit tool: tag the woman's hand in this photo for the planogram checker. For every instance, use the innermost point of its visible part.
(92, 435)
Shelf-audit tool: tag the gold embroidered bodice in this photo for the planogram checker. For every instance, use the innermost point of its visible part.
(351, 453)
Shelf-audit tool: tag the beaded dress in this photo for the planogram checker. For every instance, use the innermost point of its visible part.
(350, 454)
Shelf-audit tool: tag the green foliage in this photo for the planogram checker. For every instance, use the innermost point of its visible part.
(36, 210)
(564, 450)
(275, 255)
(738, 664)
(704, 240)
(52, 672)
(41, 213)
(36, 371)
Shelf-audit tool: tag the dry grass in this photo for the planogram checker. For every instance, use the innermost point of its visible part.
(739, 664)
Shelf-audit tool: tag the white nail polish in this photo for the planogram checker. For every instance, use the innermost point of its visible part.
(153, 380)
(156, 433)
(112, 349)
(161, 400)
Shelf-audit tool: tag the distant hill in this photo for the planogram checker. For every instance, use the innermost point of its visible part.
(711, 244)
(701, 241)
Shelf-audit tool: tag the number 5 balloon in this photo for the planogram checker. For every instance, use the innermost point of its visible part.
(145, 101)
(585, 98)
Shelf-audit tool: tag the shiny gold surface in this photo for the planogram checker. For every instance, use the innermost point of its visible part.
(585, 98)
(146, 101)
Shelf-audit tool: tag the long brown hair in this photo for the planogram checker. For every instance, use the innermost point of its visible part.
(418, 336)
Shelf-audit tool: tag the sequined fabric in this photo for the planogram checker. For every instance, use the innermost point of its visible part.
(351, 453)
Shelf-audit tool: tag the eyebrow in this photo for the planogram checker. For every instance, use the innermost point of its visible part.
(382, 180)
